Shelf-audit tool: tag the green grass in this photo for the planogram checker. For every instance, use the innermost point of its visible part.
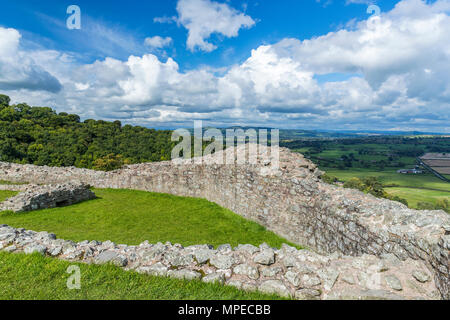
(392, 178)
(413, 188)
(39, 278)
(378, 152)
(4, 182)
(415, 196)
(131, 217)
(382, 159)
(5, 194)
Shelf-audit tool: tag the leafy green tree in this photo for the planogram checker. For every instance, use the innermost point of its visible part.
(329, 179)
(425, 206)
(4, 100)
(39, 135)
(109, 162)
(398, 199)
(354, 183)
(373, 186)
(443, 204)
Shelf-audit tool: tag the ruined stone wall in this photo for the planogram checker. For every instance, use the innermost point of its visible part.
(292, 202)
(299, 274)
(34, 197)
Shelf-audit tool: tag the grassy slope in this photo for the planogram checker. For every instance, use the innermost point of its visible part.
(131, 217)
(35, 277)
(6, 194)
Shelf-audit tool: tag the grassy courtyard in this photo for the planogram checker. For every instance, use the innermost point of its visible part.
(38, 278)
(131, 217)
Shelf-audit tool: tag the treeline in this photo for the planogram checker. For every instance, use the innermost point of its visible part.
(399, 145)
(40, 136)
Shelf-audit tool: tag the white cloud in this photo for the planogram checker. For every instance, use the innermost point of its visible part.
(158, 42)
(19, 70)
(202, 18)
(403, 65)
(165, 19)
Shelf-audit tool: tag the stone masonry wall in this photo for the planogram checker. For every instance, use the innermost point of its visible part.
(35, 197)
(288, 272)
(293, 202)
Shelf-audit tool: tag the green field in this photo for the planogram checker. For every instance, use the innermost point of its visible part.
(413, 188)
(377, 153)
(4, 194)
(361, 155)
(414, 196)
(380, 157)
(131, 217)
(38, 278)
(392, 178)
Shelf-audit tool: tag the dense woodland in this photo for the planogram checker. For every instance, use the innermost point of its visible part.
(39, 135)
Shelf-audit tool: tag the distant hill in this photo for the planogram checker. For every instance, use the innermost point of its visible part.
(300, 134)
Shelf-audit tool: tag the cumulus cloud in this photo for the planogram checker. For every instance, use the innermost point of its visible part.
(409, 41)
(202, 18)
(401, 65)
(158, 42)
(18, 70)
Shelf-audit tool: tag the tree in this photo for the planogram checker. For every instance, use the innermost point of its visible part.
(425, 206)
(4, 100)
(39, 135)
(373, 186)
(329, 179)
(443, 204)
(109, 162)
(354, 183)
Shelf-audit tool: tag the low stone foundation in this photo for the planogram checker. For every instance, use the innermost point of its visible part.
(299, 274)
(35, 197)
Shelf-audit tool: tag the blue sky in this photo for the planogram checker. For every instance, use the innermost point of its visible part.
(291, 63)
(43, 21)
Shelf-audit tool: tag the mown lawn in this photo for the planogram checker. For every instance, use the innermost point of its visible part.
(38, 278)
(4, 194)
(131, 217)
